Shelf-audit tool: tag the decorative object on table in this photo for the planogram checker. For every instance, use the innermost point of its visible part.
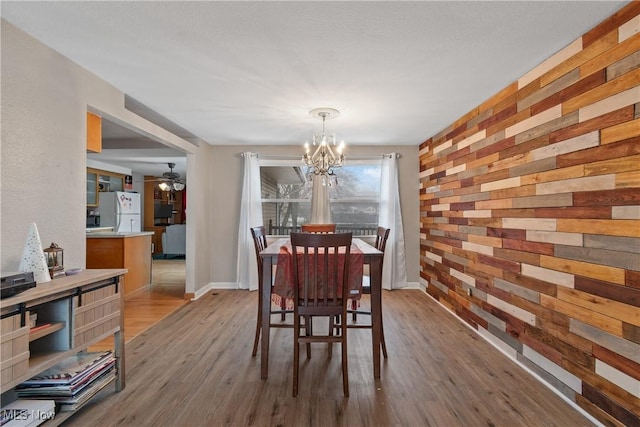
(33, 258)
(72, 271)
(323, 160)
(55, 260)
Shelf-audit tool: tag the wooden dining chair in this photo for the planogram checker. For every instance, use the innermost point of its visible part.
(318, 228)
(259, 243)
(321, 273)
(382, 234)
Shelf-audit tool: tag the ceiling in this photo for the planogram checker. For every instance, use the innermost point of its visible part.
(248, 72)
(124, 147)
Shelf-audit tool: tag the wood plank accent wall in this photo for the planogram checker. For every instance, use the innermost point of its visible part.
(530, 219)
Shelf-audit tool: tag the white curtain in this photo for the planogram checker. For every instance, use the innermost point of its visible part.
(320, 205)
(250, 216)
(394, 270)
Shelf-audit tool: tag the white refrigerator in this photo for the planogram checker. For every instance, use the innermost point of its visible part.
(121, 211)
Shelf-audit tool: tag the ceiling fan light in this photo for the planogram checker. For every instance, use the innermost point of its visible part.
(178, 186)
(164, 186)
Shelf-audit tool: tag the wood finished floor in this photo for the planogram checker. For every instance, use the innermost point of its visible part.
(194, 368)
(146, 307)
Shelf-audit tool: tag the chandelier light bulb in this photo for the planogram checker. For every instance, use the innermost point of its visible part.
(323, 160)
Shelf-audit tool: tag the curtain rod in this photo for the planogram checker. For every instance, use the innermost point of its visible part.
(276, 157)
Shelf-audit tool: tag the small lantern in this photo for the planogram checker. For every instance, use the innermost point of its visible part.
(55, 260)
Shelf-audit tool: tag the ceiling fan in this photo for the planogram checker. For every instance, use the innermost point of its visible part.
(171, 180)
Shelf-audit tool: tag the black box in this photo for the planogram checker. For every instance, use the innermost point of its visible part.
(15, 283)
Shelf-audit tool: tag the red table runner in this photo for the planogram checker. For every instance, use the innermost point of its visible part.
(283, 284)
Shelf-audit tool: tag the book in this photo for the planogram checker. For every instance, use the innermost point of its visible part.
(72, 382)
(62, 391)
(39, 327)
(71, 370)
(77, 401)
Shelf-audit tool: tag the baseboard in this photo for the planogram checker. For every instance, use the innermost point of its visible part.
(212, 286)
(534, 374)
(225, 285)
(413, 285)
(202, 291)
(133, 293)
(234, 286)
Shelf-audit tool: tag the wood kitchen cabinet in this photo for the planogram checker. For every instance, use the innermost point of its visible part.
(94, 133)
(131, 251)
(109, 181)
(99, 181)
(92, 188)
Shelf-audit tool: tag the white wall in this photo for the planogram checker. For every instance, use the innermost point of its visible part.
(44, 102)
(227, 166)
(43, 159)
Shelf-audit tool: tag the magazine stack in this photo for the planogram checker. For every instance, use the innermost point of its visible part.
(71, 382)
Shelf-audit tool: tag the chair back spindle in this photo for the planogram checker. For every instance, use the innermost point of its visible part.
(318, 228)
(259, 243)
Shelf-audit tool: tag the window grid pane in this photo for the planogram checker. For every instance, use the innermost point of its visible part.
(286, 202)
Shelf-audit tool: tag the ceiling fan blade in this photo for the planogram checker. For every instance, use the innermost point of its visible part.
(155, 180)
(170, 177)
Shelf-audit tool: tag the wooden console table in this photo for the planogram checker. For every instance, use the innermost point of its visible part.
(80, 310)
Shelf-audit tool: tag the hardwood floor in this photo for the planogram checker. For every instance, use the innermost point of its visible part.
(146, 307)
(194, 368)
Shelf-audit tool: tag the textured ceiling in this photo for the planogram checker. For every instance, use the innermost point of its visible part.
(245, 72)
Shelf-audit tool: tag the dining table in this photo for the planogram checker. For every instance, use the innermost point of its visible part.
(371, 257)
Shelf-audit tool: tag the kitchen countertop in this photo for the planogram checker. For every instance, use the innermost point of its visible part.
(115, 235)
(98, 229)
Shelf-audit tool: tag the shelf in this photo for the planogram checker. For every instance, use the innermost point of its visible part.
(44, 330)
(63, 416)
(39, 361)
(65, 328)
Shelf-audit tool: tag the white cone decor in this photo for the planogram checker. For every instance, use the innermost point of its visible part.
(33, 259)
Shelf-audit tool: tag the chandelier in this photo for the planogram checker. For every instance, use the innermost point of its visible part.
(175, 186)
(171, 180)
(323, 160)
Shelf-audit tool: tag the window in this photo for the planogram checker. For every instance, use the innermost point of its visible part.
(286, 196)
